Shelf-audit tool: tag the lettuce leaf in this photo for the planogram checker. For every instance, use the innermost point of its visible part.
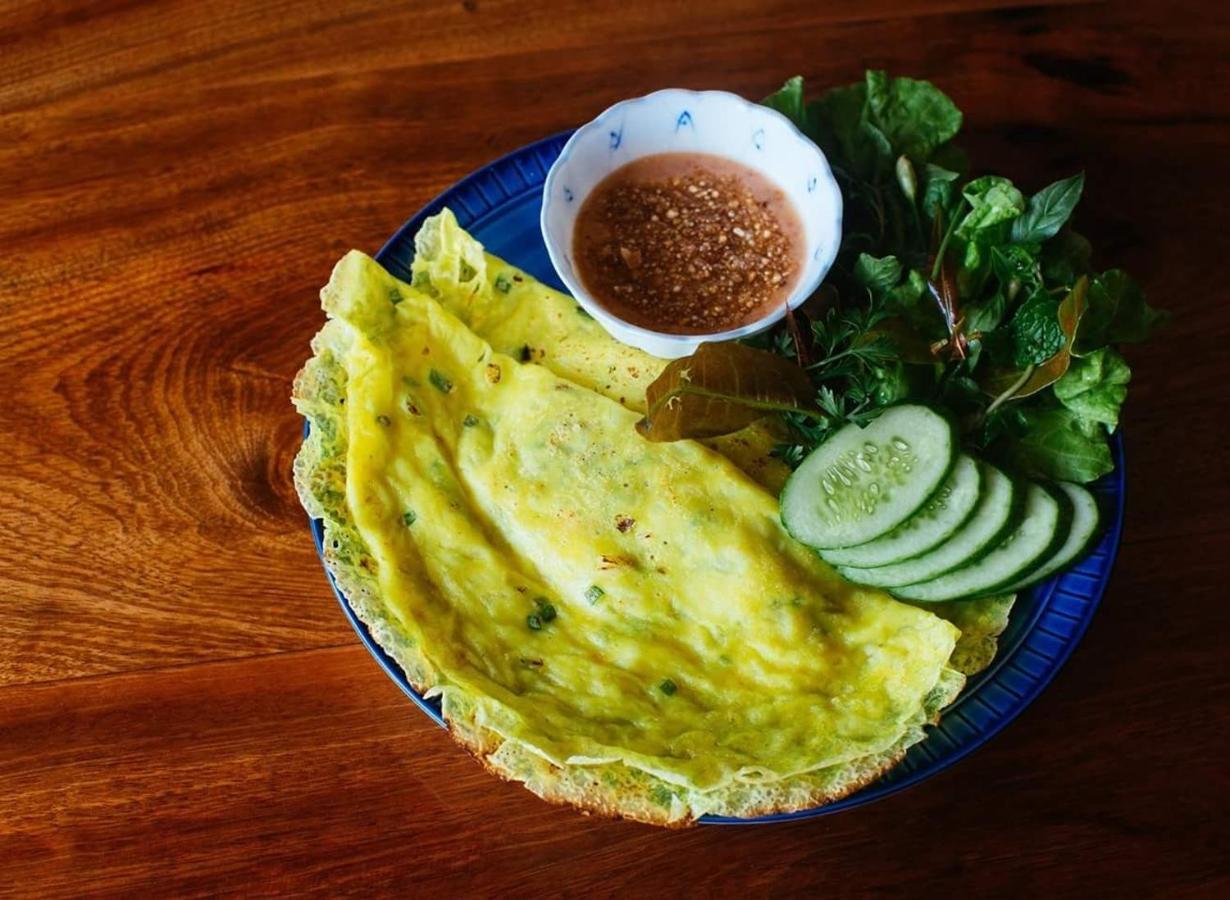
(1095, 386)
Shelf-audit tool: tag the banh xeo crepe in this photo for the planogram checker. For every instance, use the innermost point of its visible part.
(523, 318)
(695, 659)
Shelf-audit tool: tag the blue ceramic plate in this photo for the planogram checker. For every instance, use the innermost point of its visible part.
(499, 204)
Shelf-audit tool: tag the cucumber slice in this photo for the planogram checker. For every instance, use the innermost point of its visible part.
(998, 511)
(943, 514)
(863, 482)
(1085, 521)
(1045, 526)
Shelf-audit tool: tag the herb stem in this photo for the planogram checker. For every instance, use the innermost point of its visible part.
(943, 247)
(1008, 394)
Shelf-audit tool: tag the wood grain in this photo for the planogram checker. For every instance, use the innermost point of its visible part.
(183, 709)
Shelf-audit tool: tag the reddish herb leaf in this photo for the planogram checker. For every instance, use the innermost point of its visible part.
(721, 388)
(1031, 379)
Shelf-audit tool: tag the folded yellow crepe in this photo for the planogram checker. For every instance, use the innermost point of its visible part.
(619, 624)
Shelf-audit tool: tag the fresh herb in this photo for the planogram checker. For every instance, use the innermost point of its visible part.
(502, 283)
(1048, 210)
(439, 382)
(668, 687)
(593, 594)
(721, 388)
(961, 293)
(545, 611)
(1095, 386)
(409, 517)
(469, 421)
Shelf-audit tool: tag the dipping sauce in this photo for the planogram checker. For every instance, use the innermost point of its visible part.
(688, 243)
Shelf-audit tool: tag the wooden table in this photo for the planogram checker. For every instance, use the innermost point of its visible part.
(183, 708)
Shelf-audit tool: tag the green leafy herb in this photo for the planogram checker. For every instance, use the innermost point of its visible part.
(1095, 386)
(993, 202)
(1034, 335)
(1118, 313)
(1054, 443)
(470, 421)
(543, 614)
(940, 189)
(879, 276)
(502, 283)
(1066, 257)
(1048, 210)
(913, 116)
(409, 517)
(668, 687)
(593, 594)
(788, 101)
(1007, 383)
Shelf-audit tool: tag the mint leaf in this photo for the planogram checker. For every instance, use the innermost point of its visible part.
(993, 201)
(1048, 210)
(1095, 386)
(1034, 331)
(1117, 313)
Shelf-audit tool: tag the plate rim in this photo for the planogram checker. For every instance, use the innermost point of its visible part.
(1019, 698)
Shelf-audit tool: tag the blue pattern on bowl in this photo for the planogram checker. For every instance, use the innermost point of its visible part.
(714, 122)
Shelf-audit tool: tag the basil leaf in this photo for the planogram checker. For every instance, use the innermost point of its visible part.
(986, 316)
(1095, 386)
(1034, 330)
(1117, 313)
(1048, 210)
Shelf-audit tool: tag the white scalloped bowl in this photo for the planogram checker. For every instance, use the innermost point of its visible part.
(679, 121)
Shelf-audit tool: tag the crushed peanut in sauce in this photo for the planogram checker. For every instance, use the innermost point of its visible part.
(688, 243)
